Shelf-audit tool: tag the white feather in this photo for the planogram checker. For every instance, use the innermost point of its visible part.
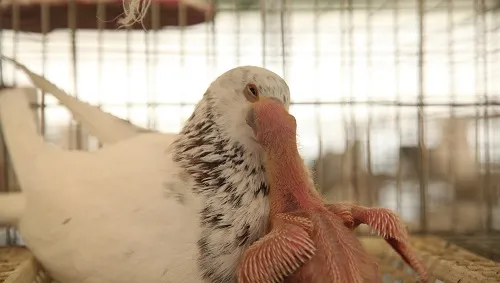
(102, 215)
(105, 127)
(11, 208)
(113, 216)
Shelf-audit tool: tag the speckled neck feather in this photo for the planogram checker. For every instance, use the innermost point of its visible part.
(232, 181)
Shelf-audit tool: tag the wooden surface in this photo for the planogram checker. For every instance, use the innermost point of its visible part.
(11, 260)
(447, 263)
(487, 246)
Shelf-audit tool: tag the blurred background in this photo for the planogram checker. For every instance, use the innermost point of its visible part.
(396, 100)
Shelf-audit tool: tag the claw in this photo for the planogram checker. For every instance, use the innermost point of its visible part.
(408, 255)
(387, 225)
(278, 254)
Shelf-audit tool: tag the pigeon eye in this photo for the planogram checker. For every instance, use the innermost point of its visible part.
(251, 93)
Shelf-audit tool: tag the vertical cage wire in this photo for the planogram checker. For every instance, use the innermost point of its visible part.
(451, 61)
(347, 53)
(237, 31)
(397, 94)
(343, 58)
(283, 28)
(423, 178)
(273, 28)
(477, 69)
(72, 19)
(11, 237)
(147, 63)
(45, 14)
(264, 28)
(495, 51)
(481, 111)
(477, 121)
(319, 166)
(352, 120)
(128, 59)
(182, 25)
(153, 58)
(484, 51)
(369, 42)
(101, 12)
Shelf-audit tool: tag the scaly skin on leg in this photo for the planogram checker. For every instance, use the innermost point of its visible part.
(278, 254)
(387, 224)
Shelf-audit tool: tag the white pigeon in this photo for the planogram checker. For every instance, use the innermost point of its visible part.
(152, 207)
(106, 127)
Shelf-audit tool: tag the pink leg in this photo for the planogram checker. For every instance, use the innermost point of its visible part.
(344, 211)
(387, 224)
(278, 254)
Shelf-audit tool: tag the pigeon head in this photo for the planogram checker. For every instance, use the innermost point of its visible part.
(233, 93)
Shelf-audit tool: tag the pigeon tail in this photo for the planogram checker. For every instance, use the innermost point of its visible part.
(20, 131)
(11, 208)
(105, 127)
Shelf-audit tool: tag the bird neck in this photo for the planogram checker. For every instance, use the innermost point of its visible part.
(290, 187)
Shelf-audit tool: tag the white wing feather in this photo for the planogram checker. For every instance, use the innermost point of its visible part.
(106, 127)
(103, 216)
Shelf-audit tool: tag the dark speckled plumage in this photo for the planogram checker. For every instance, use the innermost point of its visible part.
(230, 178)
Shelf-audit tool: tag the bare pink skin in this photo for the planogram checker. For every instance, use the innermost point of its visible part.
(310, 241)
(387, 225)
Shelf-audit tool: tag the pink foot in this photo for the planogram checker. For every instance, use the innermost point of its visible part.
(387, 224)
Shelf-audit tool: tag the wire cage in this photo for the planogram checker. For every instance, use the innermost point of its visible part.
(396, 100)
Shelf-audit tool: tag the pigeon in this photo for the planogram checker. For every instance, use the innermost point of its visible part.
(309, 240)
(150, 207)
(107, 128)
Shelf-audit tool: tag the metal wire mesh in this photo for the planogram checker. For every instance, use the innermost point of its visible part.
(377, 86)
